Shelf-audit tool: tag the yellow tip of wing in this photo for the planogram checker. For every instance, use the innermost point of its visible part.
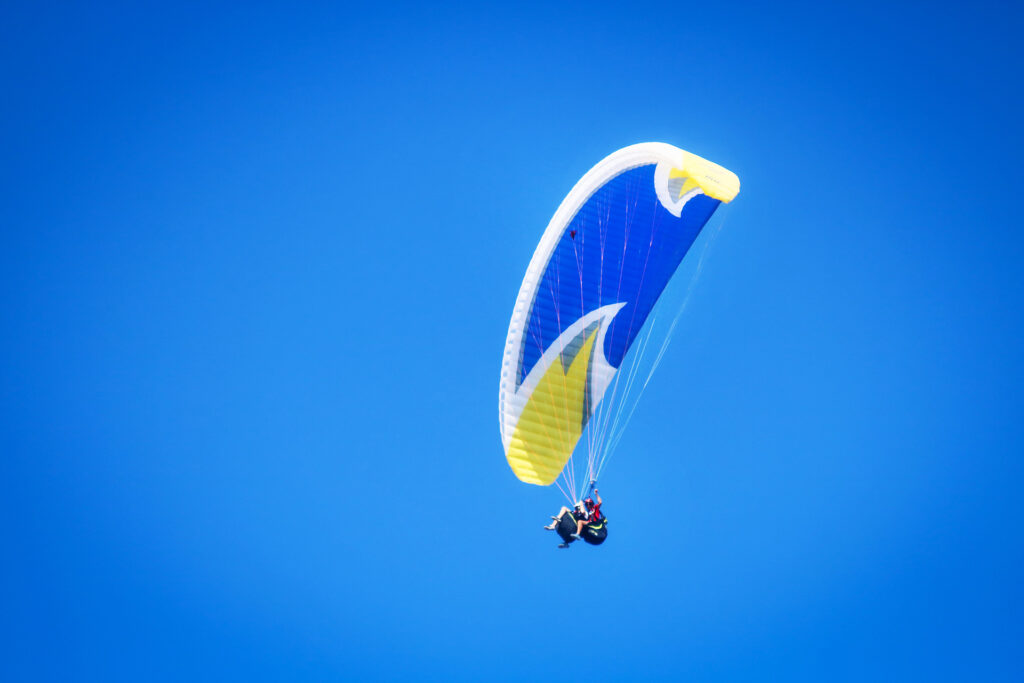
(716, 182)
(552, 420)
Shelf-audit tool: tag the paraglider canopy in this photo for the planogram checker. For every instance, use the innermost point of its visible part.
(599, 269)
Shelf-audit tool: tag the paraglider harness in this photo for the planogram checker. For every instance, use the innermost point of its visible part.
(593, 533)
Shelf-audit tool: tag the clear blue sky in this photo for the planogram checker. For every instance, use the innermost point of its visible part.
(257, 268)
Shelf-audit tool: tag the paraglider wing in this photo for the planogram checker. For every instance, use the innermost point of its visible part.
(603, 261)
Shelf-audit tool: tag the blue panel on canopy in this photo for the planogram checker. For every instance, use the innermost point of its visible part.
(621, 246)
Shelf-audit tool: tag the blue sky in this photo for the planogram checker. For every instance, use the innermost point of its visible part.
(258, 264)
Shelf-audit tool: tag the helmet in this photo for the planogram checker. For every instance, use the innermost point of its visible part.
(589, 502)
(580, 505)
